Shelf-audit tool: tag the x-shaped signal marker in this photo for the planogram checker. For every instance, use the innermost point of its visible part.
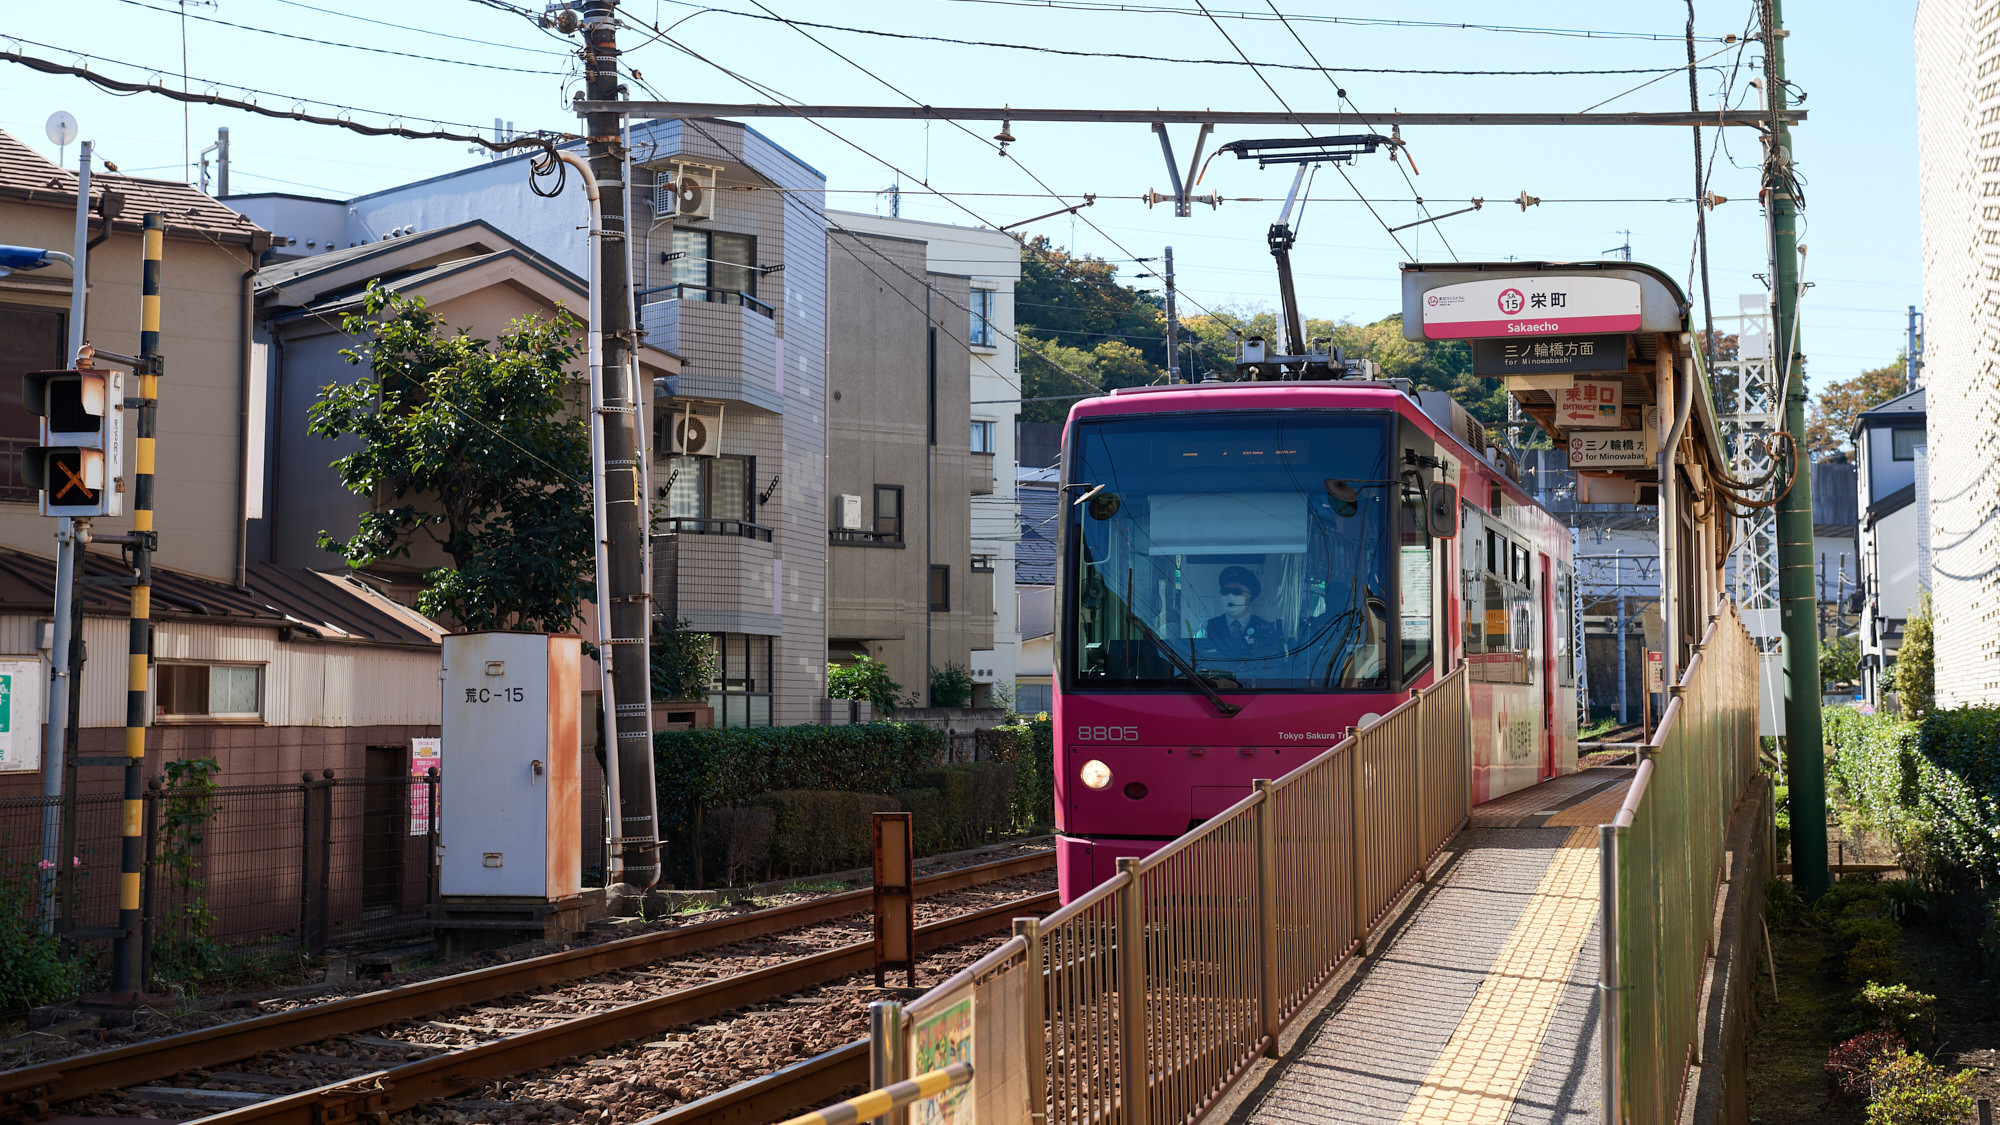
(75, 481)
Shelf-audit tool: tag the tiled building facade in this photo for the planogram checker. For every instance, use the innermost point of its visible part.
(1958, 145)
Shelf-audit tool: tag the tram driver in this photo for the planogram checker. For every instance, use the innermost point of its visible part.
(1236, 631)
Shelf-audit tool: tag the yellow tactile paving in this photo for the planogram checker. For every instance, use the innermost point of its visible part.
(1476, 1077)
(1599, 809)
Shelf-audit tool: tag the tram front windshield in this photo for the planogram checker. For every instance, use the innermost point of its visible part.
(1250, 551)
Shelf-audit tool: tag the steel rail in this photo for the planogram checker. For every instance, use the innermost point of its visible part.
(61, 1080)
(760, 1100)
(455, 1072)
(1681, 118)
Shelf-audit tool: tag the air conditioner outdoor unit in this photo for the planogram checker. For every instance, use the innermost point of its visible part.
(685, 192)
(697, 435)
(850, 512)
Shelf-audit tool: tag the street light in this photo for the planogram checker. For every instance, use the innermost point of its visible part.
(30, 258)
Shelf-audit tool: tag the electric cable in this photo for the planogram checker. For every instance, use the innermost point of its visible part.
(1360, 21)
(703, 9)
(333, 42)
(117, 86)
(423, 31)
(1308, 130)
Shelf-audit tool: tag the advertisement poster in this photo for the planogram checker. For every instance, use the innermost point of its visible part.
(941, 1040)
(424, 753)
(22, 687)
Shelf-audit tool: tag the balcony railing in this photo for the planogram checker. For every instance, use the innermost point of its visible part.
(698, 525)
(684, 291)
(856, 535)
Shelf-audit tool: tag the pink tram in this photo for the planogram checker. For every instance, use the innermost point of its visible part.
(1249, 569)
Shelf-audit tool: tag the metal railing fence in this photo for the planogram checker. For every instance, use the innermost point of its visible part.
(1205, 949)
(1660, 862)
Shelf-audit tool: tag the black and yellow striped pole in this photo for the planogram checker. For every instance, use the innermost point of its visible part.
(879, 1103)
(128, 954)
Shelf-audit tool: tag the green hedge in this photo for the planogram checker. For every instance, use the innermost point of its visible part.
(724, 767)
(1030, 747)
(1933, 784)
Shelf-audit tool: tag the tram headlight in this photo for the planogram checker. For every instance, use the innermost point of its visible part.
(1095, 774)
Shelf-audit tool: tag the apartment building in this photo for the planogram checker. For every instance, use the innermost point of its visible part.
(1958, 162)
(1892, 540)
(904, 585)
(990, 262)
(728, 246)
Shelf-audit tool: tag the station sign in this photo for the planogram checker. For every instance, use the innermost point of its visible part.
(1547, 306)
(1590, 404)
(1539, 356)
(1618, 449)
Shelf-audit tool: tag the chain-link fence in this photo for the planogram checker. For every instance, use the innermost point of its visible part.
(283, 866)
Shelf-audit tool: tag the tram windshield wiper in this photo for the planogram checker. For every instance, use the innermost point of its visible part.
(1187, 668)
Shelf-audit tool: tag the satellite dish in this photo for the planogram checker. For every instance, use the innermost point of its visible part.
(62, 127)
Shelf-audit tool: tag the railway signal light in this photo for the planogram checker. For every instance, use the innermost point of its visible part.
(78, 466)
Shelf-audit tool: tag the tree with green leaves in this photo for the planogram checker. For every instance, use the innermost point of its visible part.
(478, 446)
(1838, 406)
(1914, 674)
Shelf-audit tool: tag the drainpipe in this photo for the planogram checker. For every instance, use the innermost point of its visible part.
(1670, 561)
(614, 854)
(243, 465)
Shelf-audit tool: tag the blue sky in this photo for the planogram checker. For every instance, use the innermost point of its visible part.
(1857, 152)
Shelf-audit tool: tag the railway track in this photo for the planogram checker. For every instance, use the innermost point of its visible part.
(698, 990)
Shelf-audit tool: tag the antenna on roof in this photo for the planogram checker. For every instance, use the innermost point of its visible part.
(62, 130)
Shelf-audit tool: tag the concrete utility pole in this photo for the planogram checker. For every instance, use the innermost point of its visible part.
(1805, 757)
(1913, 350)
(1173, 339)
(635, 834)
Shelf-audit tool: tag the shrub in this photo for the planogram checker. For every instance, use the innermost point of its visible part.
(815, 831)
(951, 686)
(1914, 672)
(1847, 1064)
(1030, 746)
(975, 800)
(1781, 816)
(32, 968)
(866, 679)
(1902, 1009)
(683, 662)
(1839, 661)
(736, 842)
(1931, 785)
(1907, 1089)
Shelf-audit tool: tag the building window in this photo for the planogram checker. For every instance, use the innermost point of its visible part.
(982, 564)
(741, 689)
(708, 495)
(983, 335)
(30, 340)
(889, 513)
(710, 265)
(940, 589)
(208, 691)
(982, 436)
(1903, 444)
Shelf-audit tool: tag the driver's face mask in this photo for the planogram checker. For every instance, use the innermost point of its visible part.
(1235, 601)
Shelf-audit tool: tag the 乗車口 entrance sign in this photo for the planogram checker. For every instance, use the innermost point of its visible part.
(1531, 306)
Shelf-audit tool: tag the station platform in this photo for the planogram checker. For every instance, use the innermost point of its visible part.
(1478, 1002)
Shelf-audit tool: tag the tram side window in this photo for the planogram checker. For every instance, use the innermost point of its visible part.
(1565, 626)
(1508, 619)
(1413, 576)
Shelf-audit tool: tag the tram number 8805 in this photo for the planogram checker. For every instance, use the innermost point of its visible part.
(1107, 734)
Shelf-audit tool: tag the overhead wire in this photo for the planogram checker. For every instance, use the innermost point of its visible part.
(422, 30)
(1130, 56)
(1341, 93)
(1358, 21)
(960, 126)
(118, 86)
(1301, 123)
(333, 42)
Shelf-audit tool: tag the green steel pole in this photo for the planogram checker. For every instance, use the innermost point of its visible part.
(1805, 759)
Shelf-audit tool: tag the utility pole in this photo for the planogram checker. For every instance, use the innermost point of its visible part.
(1913, 349)
(1805, 757)
(1173, 339)
(635, 834)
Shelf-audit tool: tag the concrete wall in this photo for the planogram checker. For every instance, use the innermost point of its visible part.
(878, 434)
(1958, 174)
(198, 488)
